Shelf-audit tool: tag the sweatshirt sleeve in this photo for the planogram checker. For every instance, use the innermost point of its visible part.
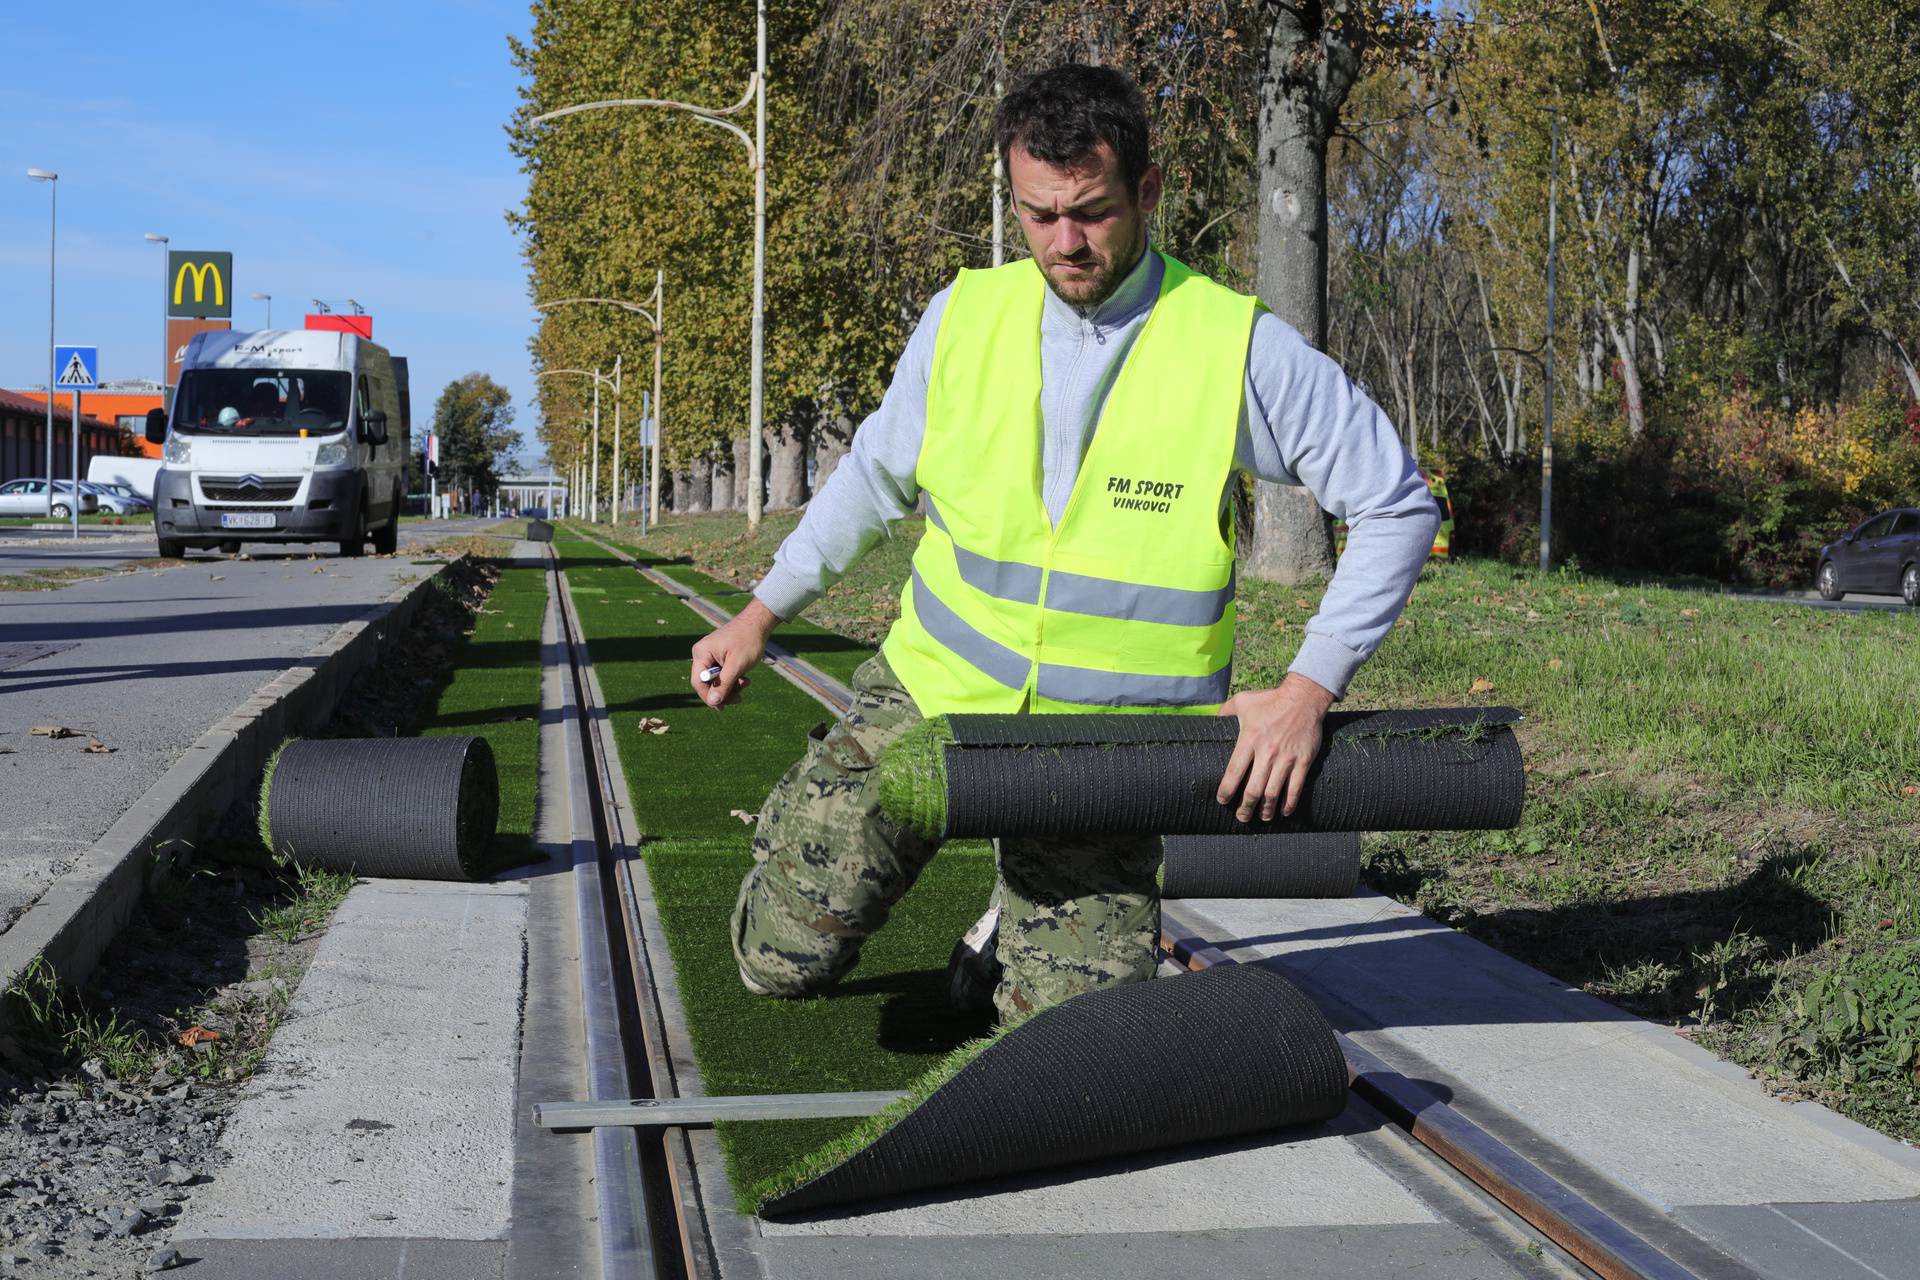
(872, 487)
(1308, 424)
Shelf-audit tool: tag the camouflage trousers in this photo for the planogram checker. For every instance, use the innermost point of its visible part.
(828, 867)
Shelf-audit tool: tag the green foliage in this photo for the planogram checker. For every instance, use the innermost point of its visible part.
(472, 419)
(1857, 1023)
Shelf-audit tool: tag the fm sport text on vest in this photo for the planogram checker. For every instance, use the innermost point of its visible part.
(1143, 495)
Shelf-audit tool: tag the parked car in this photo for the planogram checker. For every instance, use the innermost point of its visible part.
(29, 498)
(117, 499)
(1880, 557)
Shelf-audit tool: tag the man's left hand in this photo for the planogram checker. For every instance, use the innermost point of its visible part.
(1279, 739)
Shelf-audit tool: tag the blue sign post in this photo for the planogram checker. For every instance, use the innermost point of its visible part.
(78, 369)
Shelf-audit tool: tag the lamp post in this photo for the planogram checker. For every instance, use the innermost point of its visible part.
(655, 318)
(1546, 429)
(757, 160)
(52, 180)
(593, 512)
(268, 299)
(166, 356)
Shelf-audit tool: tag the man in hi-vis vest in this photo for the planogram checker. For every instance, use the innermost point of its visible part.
(1076, 423)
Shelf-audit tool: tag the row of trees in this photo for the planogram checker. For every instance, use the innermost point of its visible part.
(1738, 200)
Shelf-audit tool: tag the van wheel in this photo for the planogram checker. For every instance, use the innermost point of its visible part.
(356, 545)
(386, 539)
(172, 549)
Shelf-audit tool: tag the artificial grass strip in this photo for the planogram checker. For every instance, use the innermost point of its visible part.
(492, 690)
(883, 1026)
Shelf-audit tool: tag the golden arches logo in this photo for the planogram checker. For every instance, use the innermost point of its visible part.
(200, 271)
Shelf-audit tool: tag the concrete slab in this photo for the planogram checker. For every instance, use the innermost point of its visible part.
(1878, 1241)
(1309, 1179)
(385, 1107)
(1647, 1107)
(343, 1259)
(1437, 1251)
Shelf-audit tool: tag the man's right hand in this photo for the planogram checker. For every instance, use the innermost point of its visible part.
(734, 648)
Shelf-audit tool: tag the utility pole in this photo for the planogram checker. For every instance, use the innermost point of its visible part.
(166, 356)
(616, 440)
(659, 338)
(52, 180)
(1546, 429)
(754, 430)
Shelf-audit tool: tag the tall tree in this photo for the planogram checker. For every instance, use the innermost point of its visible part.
(473, 419)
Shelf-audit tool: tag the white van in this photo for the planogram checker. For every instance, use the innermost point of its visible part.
(282, 435)
(135, 473)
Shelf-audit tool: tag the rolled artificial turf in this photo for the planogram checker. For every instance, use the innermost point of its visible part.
(1292, 864)
(1200, 1056)
(1027, 775)
(408, 808)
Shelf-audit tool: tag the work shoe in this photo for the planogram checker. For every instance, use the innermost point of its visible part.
(973, 970)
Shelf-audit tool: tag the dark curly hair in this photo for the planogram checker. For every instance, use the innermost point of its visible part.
(1061, 115)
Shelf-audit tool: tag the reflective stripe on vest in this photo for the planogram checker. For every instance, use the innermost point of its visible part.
(1127, 603)
(1078, 593)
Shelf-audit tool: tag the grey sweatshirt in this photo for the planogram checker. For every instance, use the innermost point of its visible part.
(1303, 423)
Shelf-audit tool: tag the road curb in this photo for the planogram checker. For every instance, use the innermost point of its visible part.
(73, 922)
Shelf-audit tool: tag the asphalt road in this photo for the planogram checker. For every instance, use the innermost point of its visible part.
(1854, 603)
(147, 661)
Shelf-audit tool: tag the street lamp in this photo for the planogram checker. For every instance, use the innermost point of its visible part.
(166, 356)
(52, 180)
(593, 510)
(757, 161)
(655, 318)
(268, 299)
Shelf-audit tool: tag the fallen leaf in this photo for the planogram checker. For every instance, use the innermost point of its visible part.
(1481, 685)
(652, 724)
(1526, 768)
(744, 816)
(53, 731)
(1910, 790)
(1689, 613)
(1301, 602)
(1554, 664)
(197, 1035)
(216, 577)
(1884, 924)
(661, 621)
(95, 747)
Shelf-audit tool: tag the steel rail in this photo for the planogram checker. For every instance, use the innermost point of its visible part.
(1587, 1232)
(634, 1187)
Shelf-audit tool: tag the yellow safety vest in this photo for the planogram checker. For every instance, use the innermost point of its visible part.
(1127, 605)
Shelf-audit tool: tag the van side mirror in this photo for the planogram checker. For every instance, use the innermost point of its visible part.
(375, 424)
(156, 426)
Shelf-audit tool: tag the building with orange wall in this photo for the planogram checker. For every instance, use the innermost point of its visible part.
(123, 403)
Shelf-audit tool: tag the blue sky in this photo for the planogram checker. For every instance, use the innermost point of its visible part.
(338, 148)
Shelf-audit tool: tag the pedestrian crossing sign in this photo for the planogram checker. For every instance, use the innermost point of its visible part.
(76, 368)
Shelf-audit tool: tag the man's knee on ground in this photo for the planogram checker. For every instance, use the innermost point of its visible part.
(767, 972)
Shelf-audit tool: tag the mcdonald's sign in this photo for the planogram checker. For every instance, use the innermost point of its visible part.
(199, 284)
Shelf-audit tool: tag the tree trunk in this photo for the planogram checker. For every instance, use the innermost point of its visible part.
(700, 494)
(742, 475)
(787, 477)
(722, 498)
(682, 482)
(832, 437)
(1307, 75)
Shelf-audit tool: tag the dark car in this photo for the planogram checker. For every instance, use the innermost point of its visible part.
(1881, 557)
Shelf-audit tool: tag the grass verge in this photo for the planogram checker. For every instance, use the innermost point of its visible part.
(882, 1027)
(1723, 822)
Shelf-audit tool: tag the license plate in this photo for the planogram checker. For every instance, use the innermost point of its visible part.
(246, 520)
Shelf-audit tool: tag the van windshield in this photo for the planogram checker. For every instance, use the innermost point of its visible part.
(262, 402)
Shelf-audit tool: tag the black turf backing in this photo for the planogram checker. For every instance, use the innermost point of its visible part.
(1116, 774)
(1295, 864)
(1231, 1050)
(406, 808)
